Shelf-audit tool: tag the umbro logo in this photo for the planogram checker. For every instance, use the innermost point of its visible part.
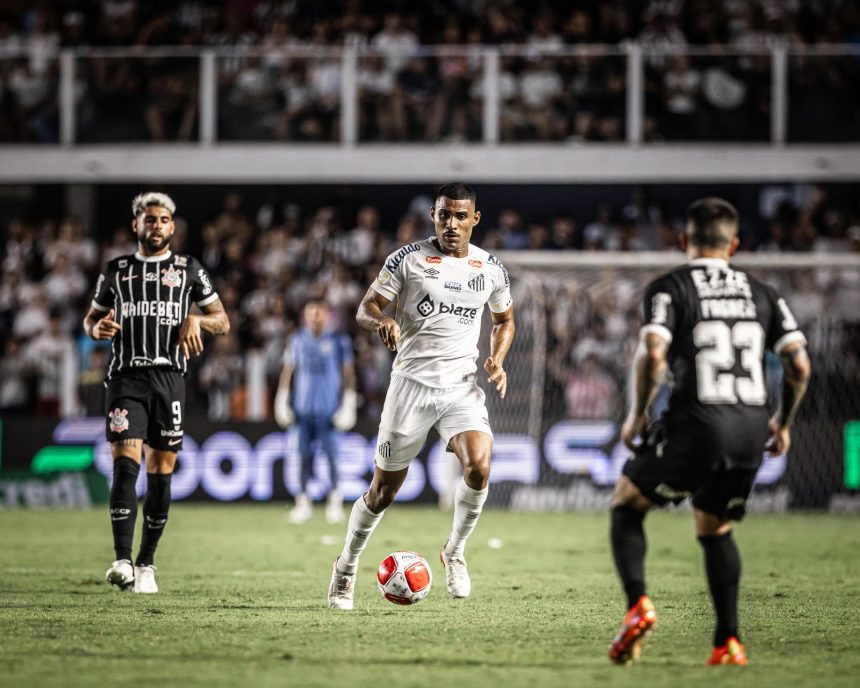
(431, 273)
(384, 449)
(476, 283)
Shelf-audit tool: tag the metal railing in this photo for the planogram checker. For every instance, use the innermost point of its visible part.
(209, 71)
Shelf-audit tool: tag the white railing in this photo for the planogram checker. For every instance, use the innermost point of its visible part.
(488, 74)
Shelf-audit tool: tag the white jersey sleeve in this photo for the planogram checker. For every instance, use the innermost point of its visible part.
(390, 280)
(500, 298)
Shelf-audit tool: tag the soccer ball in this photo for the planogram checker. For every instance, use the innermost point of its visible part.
(404, 578)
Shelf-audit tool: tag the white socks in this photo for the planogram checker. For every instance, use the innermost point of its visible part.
(362, 522)
(467, 507)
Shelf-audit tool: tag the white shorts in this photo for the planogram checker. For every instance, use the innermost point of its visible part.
(411, 409)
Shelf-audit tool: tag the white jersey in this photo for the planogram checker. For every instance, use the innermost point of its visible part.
(440, 301)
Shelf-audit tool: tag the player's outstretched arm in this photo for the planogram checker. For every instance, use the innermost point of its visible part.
(796, 372)
(100, 325)
(501, 339)
(213, 320)
(649, 367)
(370, 317)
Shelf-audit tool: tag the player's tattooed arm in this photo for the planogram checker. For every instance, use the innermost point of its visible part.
(100, 325)
(649, 369)
(501, 339)
(371, 317)
(796, 372)
(214, 320)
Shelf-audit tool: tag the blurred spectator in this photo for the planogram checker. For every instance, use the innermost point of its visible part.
(395, 42)
(15, 379)
(590, 392)
(221, 377)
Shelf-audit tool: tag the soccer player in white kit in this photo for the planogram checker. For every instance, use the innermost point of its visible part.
(441, 285)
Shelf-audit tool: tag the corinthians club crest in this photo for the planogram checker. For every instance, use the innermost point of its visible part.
(171, 277)
(118, 420)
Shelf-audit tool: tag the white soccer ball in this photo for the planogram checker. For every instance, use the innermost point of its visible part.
(404, 578)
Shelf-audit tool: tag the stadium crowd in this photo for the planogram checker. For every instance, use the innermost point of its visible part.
(268, 260)
(549, 89)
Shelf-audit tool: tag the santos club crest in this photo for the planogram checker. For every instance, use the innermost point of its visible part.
(118, 420)
(171, 277)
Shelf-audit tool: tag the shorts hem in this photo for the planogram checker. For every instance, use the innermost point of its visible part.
(465, 428)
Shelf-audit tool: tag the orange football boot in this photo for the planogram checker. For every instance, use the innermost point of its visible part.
(638, 622)
(730, 653)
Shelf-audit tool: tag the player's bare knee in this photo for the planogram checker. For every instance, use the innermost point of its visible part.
(627, 494)
(476, 470)
(708, 524)
(379, 497)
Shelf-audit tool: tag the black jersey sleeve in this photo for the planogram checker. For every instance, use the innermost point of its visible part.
(202, 291)
(103, 299)
(782, 329)
(660, 308)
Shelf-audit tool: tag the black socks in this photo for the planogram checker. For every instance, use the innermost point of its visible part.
(628, 550)
(723, 566)
(123, 505)
(155, 508)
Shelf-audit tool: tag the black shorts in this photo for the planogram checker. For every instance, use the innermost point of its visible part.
(664, 473)
(147, 404)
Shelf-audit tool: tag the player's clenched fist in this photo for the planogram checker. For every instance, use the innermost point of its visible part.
(106, 328)
(389, 333)
(498, 376)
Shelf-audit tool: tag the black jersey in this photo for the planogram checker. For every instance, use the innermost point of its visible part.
(151, 297)
(719, 322)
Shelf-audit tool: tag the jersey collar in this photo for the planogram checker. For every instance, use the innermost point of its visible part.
(710, 262)
(152, 259)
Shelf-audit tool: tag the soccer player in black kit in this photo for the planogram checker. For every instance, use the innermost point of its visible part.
(142, 302)
(710, 325)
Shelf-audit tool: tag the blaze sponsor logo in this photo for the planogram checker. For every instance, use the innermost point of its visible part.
(395, 260)
(384, 449)
(433, 259)
(171, 277)
(453, 286)
(476, 283)
(118, 420)
(204, 279)
(181, 261)
(426, 306)
(475, 264)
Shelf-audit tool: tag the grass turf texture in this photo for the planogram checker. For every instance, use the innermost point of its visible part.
(242, 602)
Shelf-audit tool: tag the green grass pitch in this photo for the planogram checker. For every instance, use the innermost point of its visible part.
(242, 603)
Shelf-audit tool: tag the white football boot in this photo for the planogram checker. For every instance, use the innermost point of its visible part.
(302, 511)
(120, 574)
(334, 507)
(341, 590)
(456, 576)
(144, 579)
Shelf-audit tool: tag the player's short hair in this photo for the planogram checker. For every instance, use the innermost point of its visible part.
(457, 192)
(712, 223)
(143, 200)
